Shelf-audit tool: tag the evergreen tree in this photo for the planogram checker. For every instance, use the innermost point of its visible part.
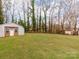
(40, 21)
(1, 13)
(33, 16)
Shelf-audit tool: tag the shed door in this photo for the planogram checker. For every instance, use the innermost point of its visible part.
(12, 32)
(7, 33)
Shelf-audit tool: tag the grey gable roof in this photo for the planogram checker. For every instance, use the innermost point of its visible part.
(10, 25)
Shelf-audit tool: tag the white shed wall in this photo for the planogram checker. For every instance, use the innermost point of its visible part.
(21, 30)
(2, 31)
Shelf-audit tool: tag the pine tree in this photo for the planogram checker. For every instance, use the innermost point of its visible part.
(33, 16)
(1, 13)
(40, 21)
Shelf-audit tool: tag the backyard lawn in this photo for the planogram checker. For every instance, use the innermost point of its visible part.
(40, 46)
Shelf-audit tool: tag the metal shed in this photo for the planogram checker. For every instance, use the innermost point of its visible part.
(11, 29)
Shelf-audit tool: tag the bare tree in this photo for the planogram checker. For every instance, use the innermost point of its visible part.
(7, 10)
(45, 8)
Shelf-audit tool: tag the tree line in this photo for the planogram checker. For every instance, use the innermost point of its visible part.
(49, 16)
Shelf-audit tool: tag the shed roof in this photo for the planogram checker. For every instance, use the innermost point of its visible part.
(10, 25)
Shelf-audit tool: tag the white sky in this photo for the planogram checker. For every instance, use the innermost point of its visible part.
(19, 7)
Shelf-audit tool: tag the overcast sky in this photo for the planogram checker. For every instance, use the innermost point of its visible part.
(18, 5)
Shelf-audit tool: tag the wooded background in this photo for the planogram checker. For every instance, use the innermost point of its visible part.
(48, 16)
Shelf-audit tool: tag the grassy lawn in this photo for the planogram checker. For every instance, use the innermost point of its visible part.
(40, 46)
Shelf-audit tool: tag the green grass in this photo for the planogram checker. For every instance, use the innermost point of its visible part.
(40, 46)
